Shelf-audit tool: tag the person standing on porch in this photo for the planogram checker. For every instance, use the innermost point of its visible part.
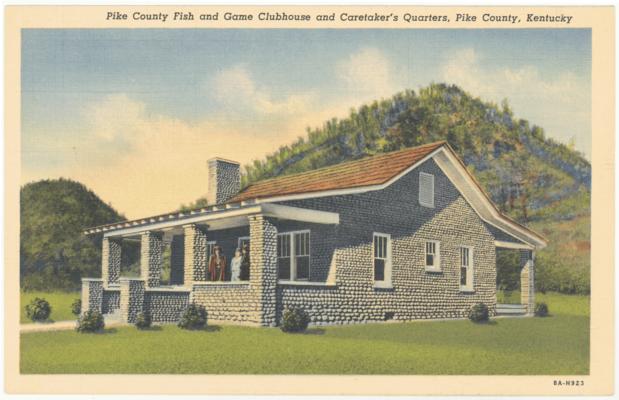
(217, 265)
(235, 266)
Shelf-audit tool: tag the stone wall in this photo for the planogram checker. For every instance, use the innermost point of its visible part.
(165, 305)
(416, 293)
(131, 298)
(111, 301)
(232, 302)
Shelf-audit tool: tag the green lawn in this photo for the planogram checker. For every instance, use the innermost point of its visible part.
(557, 345)
(59, 301)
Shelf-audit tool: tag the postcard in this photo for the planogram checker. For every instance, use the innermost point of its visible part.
(309, 200)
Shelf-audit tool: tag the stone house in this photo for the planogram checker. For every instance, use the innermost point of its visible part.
(397, 236)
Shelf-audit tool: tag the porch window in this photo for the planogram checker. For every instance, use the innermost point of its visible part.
(433, 256)
(466, 269)
(382, 260)
(293, 255)
(209, 250)
(244, 240)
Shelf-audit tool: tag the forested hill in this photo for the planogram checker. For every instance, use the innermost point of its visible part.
(524, 171)
(54, 253)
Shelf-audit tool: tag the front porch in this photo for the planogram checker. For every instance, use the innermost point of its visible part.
(187, 241)
(525, 255)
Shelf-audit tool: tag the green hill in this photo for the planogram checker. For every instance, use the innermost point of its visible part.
(54, 254)
(532, 178)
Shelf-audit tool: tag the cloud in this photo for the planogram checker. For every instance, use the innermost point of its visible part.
(367, 72)
(560, 104)
(235, 89)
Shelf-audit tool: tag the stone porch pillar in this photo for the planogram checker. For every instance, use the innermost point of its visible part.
(110, 260)
(92, 295)
(151, 261)
(131, 298)
(177, 259)
(195, 259)
(527, 280)
(263, 267)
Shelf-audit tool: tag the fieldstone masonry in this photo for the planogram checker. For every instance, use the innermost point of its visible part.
(131, 298)
(263, 268)
(196, 259)
(151, 260)
(92, 294)
(527, 281)
(224, 180)
(165, 305)
(110, 260)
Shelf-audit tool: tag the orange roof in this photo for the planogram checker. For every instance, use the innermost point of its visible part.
(368, 171)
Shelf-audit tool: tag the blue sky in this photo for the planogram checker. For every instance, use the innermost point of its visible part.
(133, 112)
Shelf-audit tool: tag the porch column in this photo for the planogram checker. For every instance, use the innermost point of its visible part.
(527, 280)
(177, 257)
(131, 298)
(151, 258)
(196, 259)
(263, 266)
(92, 295)
(110, 261)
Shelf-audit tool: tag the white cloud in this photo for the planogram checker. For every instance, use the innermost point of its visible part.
(367, 72)
(560, 104)
(236, 90)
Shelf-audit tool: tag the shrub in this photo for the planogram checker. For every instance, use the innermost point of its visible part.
(38, 309)
(541, 310)
(76, 307)
(479, 313)
(90, 321)
(294, 320)
(143, 320)
(194, 317)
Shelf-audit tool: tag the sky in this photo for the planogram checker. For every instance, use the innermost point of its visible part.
(135, 113)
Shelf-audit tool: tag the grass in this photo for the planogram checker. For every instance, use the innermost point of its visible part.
(556, 345)
(59, 301)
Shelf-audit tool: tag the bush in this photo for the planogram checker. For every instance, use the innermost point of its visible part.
(90, 321)
(194, 317)
(479, 313)
(143, 320)
(38, 309)
(76, 307)
(541, 310)
(294, 320)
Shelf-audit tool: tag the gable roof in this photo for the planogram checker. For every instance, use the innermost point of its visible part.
(368, 171)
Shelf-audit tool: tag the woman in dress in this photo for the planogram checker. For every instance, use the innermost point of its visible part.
(217, 265)
(235, 266)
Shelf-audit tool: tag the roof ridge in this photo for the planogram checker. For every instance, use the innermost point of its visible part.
(345, 163)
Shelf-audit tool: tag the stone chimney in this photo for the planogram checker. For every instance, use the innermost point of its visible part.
(224, 180)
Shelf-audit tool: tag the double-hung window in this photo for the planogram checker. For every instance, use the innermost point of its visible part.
(433, 256)
(382, 260)
(466, 268)
(293, 255)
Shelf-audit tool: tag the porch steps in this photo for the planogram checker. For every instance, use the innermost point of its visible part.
(511, 309)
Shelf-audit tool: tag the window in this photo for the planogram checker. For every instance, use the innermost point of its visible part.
(466, 268)
(426, 189)
(433, 256)
(382, 260)
(293, 255)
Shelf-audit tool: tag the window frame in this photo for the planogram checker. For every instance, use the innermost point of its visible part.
(470, 270)
(209, 250)
(388, 273)
(421, 202)
(293, 256)
(437, 256)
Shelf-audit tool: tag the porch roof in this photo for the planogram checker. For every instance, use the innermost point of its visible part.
(234, 215)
